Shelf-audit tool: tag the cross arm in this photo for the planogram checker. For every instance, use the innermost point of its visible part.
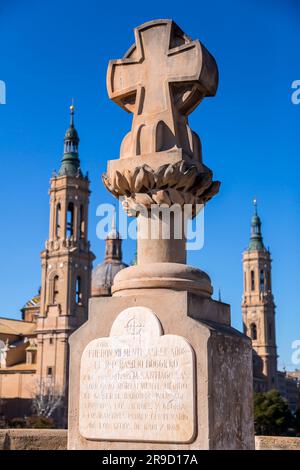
(123, 79)
(194, 70)
(193, 63)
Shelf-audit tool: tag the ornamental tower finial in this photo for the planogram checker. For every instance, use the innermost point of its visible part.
(72, 109)
(255, 205)
(113, 248)
(70, 165)
(256, 240)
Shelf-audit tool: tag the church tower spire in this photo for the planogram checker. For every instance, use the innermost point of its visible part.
(66, 268)
(259, 309)
(105, 272)
(70, 164)
(113, 243)
(256, 240)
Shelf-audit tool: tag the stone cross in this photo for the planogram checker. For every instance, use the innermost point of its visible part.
(161, 79)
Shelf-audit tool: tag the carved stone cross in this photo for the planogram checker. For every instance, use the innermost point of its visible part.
(161, 79)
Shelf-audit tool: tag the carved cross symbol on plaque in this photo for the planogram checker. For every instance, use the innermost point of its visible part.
(134, 327)
(161, 79)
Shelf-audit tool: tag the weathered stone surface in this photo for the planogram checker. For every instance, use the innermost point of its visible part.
(161, 275)
(168, 185)
(138, 384)
(277, 443)
(3, 433)
(223, 370)
(33, 439)
(161, 79)
(58, 440)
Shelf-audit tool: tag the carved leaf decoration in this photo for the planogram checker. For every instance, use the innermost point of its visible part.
(121, 183)
(203, 182)
(170, 184)
(140, 180)
(170, 176)
(129, 177)
(189, 198)
(175, 196)
(107, 184)
(134, 175)
(144, 199)
(150, 177)
(161, 197)
(211, 191)
(105, 180)
(159, 175)
(187, 180)
(113, 182)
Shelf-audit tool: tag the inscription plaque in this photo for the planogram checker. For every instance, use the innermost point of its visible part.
(138, 384)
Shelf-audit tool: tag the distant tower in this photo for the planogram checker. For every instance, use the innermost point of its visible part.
(104, 273)
(259, 309)
(66, 267)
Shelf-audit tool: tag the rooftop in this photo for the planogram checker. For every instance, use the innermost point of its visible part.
(16, 327)
(23, 367)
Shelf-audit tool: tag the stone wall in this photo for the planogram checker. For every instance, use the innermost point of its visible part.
(277, 443)
(33, 439)
(17, 384)
(56, 439)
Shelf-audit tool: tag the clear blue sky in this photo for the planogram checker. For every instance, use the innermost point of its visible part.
(53, 51)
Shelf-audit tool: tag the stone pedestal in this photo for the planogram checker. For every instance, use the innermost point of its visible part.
(182, 381)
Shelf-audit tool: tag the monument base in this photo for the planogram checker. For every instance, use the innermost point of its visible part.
(160, 372)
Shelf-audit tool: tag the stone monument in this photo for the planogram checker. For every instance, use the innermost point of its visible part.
(157, 365)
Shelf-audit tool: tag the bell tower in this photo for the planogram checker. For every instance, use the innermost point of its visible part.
(259, 309)
(66, 267)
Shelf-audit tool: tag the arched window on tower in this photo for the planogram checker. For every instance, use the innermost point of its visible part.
(252, 280)
(268, 280)
(114, 250)
(58, 220)
(55, 290)
(253, 331)
(78, 291)
(262, 280)
(81, 222)
(270, 331)
(70, 220)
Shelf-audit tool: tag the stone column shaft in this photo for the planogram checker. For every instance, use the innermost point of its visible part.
(161, 240)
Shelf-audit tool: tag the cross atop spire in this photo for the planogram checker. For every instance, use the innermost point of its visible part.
(255, 205)
(72, 109)
(256, 240)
